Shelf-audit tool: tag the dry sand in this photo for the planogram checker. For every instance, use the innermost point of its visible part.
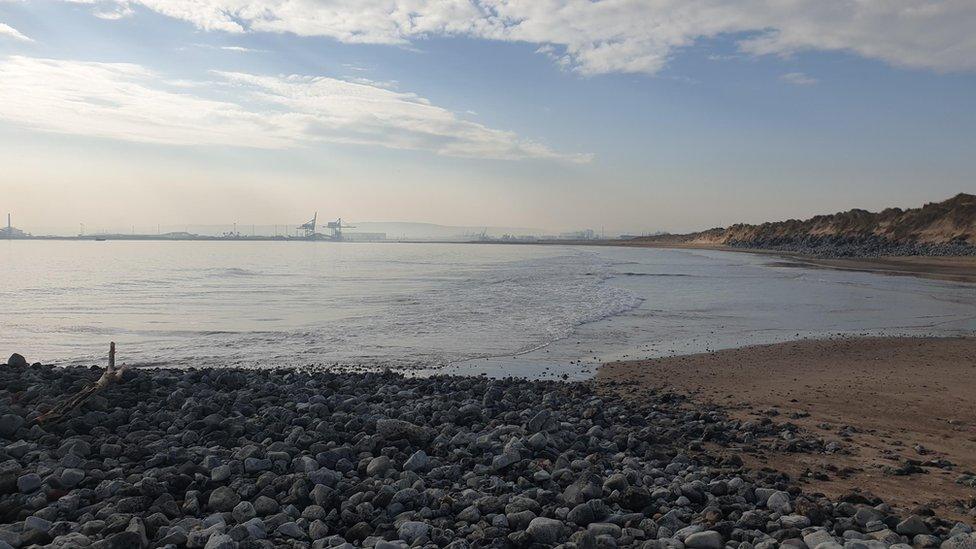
(895, 392)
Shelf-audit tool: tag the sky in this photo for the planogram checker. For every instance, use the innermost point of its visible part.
(617, 115)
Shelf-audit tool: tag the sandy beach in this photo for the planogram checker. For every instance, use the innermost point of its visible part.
(949, 268)
(900, 410)
(953, 269)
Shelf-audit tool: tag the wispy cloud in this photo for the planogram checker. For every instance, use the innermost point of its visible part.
(236, 49)
(6, 31)
(241, 49)
(114, 13)
(798, 79)
(129, 102)
(621, 35)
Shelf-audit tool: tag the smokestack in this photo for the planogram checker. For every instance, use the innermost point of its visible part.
(10, 227)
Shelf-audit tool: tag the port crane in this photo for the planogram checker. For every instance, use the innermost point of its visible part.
(307, 230)
(336, 228)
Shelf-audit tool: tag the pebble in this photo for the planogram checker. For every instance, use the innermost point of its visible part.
(265, 458)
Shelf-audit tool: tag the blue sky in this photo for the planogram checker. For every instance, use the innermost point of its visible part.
(631, 115)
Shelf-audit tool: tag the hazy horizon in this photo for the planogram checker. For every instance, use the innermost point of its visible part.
(622, 116)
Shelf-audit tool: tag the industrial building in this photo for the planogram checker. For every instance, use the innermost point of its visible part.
(11, 232)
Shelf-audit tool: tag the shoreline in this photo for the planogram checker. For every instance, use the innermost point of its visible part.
(945, 268)
(240, 459)
(897, 409)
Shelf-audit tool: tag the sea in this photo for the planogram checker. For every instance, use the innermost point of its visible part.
(537, 311)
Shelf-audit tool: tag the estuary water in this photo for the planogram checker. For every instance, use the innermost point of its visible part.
(534, 311)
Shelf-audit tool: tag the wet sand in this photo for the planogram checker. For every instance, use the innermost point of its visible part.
(954, 269)
(905, 401)
(949, 268)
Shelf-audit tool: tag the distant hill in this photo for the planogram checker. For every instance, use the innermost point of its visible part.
(940, 228)
(427, 231)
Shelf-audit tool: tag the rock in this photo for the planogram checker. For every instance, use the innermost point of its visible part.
(256, 465)
(912, 526)
(220, 541)
(28, 483)
(546, 530)
(110, 450)
(72, 477)
(318, 530)
(264, 506)
(199, 538)
(181, 460)
(9, 423)
(616, 482)
(708, 539)
(255, 528)
(539, 421)
(411, 530)
(959, 541)
(120, 540)
(291, 530)
(417, 462)
(396, 429)
(243, 512)
(582, 490)
(469, 514)
(220, 473)
(378, 466)
(37, 523)
(67, 541)
(817, 537)
(798, 522)
(604, 529)
(779, 502)
(17, 360)
(504, 460)
(359, 531)
(223, 499)
(582, 514)
(866, 515)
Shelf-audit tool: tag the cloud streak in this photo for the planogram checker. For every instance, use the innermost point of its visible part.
(6, 31)
(798, 79)
(129, 102)
(637, 36)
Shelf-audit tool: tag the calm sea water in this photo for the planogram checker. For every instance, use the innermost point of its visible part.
(524, 310)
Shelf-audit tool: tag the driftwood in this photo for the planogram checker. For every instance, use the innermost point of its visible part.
(109, 376)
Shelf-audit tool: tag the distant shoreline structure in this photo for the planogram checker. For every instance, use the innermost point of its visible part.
(189, 237)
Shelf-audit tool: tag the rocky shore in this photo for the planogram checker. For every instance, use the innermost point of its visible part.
(219, 459)
(940, 229)
(831, 247)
